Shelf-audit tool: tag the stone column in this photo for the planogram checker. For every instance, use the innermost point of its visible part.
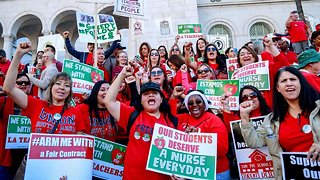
(7, 45)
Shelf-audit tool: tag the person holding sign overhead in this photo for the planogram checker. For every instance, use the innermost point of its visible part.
(152, 108)
(199, 119)
(294, 124)
(52, 115)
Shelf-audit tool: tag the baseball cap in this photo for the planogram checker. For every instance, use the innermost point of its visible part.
(2, 53)
(150, 86)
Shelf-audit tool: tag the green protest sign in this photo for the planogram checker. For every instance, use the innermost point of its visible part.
(214, 89)
(18, 132)
(106, 28)
(190, 31)
(255, 74)
(185, 155)
(108, 159)
(83, 76)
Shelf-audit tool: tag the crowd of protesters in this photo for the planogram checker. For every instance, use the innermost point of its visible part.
(159, 86)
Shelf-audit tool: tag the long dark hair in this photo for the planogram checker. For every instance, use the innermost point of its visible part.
(92, 102)
(164, 108)
(264, 108)
(165, 50)
(149, 59)
(219, 60)
(140, 48)
(254, 54)
(307, 96)
(165, 85)
(198, 55)
(176, 60)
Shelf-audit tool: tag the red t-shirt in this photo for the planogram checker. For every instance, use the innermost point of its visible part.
(291, 56)
(105, 72)
(210, 123)
(291, 137)
(4, 68)
(103, 129)
(89, 59)
(41, 116)
(177, 79)
(139, 144)
(312, 79)
(6, 108)
(297, 31)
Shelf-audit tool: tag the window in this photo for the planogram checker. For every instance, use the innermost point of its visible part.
(223, 30)
(259, 30)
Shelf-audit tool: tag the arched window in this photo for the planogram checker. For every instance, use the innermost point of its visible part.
(259, 30)
(223, 30)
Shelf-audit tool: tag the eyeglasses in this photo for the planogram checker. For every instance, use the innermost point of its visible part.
(251, 95)
(155, 73)
(154, 54)
(26, 83)
(175, 49)
(206, 70)
(211, 49)
(196, 102)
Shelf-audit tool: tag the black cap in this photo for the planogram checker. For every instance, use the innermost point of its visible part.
(150, 86)
(120, 47)
(2, 53)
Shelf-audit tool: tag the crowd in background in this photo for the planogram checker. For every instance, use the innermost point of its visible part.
(158, 85)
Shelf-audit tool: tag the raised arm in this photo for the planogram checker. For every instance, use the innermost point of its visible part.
(112, 48)
(288, 21)
(44, 84)
(110, 101)
(189, 63)
(71, 50)
(18, 96)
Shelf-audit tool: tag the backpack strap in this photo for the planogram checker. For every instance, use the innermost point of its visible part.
(4, 103)
(132, 118)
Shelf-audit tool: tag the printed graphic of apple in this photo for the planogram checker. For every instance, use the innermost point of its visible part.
(196, 29)
(95, 76)
(232, 68)
(117, 156)
(160, 142)
(230, 89)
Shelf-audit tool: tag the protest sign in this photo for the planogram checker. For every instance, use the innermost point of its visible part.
(137, 27)
(52, 156)
(296, 165)
(55, 40)
(106, 28)
(18, 132)
(255, 74)
(185, 155)
(214, 89)
(83, 76)
(252, 163)
(190, 31)
(232, 65)
(108, 159)
(129, 8)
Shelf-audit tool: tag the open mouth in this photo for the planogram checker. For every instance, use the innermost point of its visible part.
(151, 101)
(290, 90)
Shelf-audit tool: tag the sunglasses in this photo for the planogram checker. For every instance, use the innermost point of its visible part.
(155, 73)
(196, 102)
(175, 49)
(251, 95)
(206, 70)
(154, 54)
(211, 49)
(26, 83)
